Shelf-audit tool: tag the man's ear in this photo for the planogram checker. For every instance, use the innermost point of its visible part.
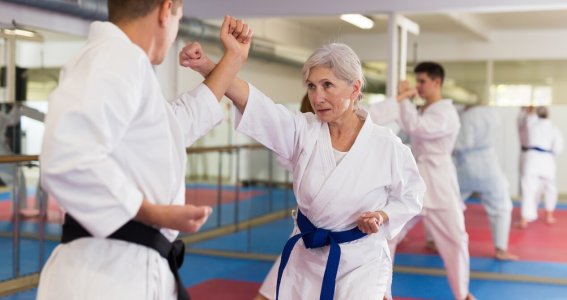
(165, 11)
(438, 82)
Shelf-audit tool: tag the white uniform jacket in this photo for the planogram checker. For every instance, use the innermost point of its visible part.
(111, 140)
(378, 173)
(477, 163)
(432, 135)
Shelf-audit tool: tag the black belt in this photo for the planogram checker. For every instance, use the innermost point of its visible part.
(141, 234)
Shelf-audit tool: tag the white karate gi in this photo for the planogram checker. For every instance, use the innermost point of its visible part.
(378, 173)
(478, 169)
(539, 167)
(111, 140)
(432, 134)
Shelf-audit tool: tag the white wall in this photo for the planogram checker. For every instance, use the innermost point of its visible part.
(558, 115)
(46, 55)
(504, 45)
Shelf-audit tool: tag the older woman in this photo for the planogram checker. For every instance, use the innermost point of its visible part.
(356, 184)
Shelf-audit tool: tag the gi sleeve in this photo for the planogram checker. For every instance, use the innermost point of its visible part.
(466, 138)
(197, 111)
(272, 125)
(384, 112)
(433, 125)
(89, 114)
(405, 199)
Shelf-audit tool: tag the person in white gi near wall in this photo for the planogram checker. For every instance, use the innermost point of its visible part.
(432, 131)
(545, 141)
(114, 156)
(355, 183)
(479, 172)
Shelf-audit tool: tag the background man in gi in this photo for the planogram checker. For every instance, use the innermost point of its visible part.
(544, 143)
(114, 151)
(432, 131)
(478, 171)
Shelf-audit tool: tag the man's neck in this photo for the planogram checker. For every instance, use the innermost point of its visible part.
(141, 33)
(432, 100)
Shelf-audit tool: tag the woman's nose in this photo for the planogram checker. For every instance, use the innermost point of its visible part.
(318, 95)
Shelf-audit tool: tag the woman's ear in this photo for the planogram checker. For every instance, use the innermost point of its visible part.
(356, 89)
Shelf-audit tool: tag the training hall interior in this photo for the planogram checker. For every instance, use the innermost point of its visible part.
(505, 54)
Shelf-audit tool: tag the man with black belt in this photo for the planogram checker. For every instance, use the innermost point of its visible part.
(544, 143)
(114, 156)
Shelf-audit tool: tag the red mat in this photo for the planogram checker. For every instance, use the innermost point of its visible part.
(54, 213)
(210, 197)
(222, 289)
(192, 196)
(539, 242)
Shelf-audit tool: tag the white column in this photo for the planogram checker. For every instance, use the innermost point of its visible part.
(398, 29)
(393, 50)
(10, 69)
(489, 80)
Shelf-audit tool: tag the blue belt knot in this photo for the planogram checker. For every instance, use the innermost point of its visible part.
(314, 237)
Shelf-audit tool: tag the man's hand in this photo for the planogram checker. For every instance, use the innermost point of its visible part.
(192, 56)
(236, 38)
(185, 218)
(405, 91)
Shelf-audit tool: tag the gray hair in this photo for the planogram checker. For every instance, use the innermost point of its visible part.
(341, 59)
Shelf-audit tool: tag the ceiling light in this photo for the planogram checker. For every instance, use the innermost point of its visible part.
(361, 21)
(19, 34)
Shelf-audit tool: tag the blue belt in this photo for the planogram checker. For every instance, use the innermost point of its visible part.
(536, 149)
(314, 237)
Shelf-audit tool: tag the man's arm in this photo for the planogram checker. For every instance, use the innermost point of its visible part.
(186, 218)
(221, 78)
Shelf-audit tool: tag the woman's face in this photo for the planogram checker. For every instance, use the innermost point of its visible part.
(330, 96)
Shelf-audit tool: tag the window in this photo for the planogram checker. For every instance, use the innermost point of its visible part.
(520, 95)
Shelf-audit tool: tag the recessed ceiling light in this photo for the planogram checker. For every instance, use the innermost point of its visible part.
(360, 21)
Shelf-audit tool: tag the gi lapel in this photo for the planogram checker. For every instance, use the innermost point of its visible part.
(332, 192)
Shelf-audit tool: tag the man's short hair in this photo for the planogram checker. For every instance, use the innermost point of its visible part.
(432, 69)
(542, 112)
(128, 10)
